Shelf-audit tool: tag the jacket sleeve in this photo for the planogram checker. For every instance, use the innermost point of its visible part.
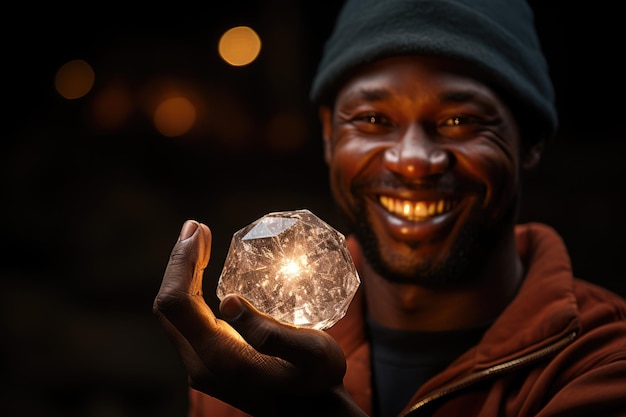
(202, 405)
(601, 391)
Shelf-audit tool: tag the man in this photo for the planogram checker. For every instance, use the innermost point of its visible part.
(432, 111)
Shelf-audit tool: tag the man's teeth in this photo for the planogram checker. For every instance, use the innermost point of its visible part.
(415, 210)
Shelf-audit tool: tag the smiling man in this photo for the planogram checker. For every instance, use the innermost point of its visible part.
(432, 112)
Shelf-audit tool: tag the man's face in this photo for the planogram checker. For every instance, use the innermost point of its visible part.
(424, 162)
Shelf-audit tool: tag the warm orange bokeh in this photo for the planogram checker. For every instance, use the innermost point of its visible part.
(239, 46)
(74, 79)
(175, 116)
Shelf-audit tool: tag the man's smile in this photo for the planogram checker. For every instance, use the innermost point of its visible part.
(418, 216)
(416, 210)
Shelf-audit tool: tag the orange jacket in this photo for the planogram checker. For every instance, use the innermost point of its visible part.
(559, 349)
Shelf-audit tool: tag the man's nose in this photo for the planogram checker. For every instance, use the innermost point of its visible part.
(416, 155)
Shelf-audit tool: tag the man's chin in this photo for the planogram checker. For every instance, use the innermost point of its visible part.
(435, 267)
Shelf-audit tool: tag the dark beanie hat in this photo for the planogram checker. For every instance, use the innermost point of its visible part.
(495, 36)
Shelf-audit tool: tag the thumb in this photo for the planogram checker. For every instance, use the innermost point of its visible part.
(188, 259)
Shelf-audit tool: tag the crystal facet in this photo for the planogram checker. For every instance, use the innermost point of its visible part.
(292, 266)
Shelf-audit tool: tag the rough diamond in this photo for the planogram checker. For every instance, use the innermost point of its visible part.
(292, 266)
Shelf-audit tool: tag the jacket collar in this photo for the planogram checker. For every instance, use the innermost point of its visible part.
(543, 311)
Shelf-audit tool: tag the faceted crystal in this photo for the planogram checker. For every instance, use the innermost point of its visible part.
(292, 266)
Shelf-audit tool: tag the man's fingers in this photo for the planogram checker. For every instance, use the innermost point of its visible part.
(304, 348)
(180, 299)
(188, 259)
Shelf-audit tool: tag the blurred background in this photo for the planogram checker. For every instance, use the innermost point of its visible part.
(122, 122)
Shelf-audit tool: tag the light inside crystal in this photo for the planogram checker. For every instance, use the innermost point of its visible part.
(292, 266)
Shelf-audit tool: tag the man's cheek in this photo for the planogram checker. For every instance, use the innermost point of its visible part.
(502, 185)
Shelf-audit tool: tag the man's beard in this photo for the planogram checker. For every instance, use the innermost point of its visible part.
(466, 256)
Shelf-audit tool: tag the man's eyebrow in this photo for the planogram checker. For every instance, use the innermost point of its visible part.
(373, 94)
(466, 96)
(458, 96)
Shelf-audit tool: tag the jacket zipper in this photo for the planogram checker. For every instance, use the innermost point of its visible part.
(493, 371)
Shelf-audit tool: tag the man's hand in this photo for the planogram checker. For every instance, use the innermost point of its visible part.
(248, 360)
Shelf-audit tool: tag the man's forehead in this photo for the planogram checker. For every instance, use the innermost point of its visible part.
(495, 36)
(415, 75)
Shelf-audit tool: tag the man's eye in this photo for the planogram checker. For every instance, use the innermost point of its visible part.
(460, 121)
(456, 121)
(374, 119)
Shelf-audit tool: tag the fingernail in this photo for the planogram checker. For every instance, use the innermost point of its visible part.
(231, 307)
(188, 229)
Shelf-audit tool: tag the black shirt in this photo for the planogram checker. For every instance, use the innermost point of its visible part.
(403, 360)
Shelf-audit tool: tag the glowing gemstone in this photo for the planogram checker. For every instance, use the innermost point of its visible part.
(292, 266)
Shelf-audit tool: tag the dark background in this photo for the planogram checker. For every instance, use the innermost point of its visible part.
(89, 216)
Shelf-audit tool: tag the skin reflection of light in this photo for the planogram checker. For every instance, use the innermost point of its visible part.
(74, 79)
(239, 46)
(175, 116)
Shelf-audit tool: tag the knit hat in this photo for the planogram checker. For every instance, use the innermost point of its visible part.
(497, 37)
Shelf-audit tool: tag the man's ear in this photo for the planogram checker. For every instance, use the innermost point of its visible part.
(326, 117)
(532, 156)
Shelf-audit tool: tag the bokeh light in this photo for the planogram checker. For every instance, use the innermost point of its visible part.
(175, 116)
(112, 107)
(74, 79)
(239, 46)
